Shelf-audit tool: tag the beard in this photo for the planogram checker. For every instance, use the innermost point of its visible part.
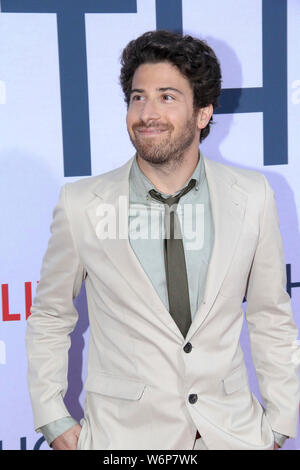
(164, 149)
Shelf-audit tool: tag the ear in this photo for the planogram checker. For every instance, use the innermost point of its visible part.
(204, 115)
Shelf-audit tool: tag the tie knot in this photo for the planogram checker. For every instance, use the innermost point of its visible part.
(172, 199)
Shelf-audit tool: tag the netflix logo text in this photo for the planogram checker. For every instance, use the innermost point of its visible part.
(7, 314)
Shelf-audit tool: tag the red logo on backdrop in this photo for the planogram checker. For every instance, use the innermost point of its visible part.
(6, 315)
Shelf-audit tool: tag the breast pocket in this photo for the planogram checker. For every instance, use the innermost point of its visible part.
(235, 282)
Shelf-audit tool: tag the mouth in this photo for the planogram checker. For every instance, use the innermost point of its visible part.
(150, 131)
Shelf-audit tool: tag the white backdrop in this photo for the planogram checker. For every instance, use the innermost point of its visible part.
(32, 157)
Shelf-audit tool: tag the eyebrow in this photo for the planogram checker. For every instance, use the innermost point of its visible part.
(139, 90)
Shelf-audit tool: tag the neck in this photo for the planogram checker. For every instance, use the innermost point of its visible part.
(172, 176)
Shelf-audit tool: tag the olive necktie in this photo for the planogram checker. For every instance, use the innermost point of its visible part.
(176, 275)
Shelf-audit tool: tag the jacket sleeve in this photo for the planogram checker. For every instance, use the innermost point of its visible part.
(272, 330)
(53, 317)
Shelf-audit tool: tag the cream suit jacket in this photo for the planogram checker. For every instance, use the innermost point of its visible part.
(139, 377)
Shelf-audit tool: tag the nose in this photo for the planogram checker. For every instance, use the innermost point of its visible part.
(149, 112)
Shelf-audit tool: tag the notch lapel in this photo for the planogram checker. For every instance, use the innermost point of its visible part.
(228, 204)
(113, 194)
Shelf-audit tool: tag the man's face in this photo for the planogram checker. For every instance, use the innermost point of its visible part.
(161, 121)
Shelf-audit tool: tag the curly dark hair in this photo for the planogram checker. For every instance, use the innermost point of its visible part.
(193, 57)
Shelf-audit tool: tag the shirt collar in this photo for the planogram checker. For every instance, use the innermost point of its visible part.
(142, 185)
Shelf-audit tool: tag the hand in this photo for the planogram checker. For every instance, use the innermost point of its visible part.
(68, 440)
(276, 446)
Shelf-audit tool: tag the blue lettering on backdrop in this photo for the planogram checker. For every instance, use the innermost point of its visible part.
(289, 284)
(23, 443)
(169, 15)
(271, 99)
(73, 69)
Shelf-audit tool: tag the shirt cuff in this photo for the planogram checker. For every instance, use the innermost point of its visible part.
(54, 429)
(280, 438)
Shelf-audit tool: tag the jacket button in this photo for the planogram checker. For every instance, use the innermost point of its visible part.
(193, 398)
(188, 347)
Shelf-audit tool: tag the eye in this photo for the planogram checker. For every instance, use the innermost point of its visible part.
(136, 98)
(167, 98)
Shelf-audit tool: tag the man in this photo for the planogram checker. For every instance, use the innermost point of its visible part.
(166, 369)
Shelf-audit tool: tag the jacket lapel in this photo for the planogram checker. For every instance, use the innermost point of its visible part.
(113, 194)
(228, 207)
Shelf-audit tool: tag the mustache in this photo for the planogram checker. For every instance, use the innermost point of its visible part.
(142, 125)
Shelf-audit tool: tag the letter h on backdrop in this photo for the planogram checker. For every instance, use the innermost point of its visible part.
(271, 98)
